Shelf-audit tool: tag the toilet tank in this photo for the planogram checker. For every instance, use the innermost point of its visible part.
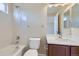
(34, 43)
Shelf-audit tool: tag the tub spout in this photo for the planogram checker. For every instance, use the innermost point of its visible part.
(17, 42)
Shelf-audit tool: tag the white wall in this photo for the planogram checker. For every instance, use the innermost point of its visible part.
(50, 25)
(35, 26)
(36, 23)
(5, 30)
(36, 19)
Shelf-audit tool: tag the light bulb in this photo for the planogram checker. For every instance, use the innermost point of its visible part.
(50, 6)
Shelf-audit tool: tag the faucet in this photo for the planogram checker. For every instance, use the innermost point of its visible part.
(59, 35)
(17, 42)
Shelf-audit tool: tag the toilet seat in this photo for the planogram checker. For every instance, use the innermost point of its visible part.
(31, 52)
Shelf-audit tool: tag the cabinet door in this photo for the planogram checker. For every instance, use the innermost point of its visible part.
(74, 51)
(58, 50)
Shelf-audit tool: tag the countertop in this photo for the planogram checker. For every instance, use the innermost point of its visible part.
(54, 39)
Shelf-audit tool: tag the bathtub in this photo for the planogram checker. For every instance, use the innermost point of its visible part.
(11, 50)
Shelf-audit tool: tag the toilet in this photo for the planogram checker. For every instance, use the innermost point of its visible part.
(34, 44)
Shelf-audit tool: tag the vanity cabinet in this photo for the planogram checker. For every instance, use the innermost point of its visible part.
(58, 50)
(62, 50)
(74, 50)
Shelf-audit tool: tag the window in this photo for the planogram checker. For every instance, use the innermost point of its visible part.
(20, 14)
(4, 7)
(16, 14)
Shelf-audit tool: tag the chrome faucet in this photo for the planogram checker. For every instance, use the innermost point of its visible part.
(59, 35)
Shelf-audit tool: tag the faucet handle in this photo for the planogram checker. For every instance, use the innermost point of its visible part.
(17, 42)
(17, 38)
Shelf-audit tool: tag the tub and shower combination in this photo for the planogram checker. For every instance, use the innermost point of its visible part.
(12, 50)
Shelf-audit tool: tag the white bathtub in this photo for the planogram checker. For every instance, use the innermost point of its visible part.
(12, 51)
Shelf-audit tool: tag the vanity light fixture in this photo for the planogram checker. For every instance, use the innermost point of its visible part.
(57, 4)
(70, 6)
(50, 6)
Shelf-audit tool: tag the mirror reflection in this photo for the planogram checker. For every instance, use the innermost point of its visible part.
(68, 20)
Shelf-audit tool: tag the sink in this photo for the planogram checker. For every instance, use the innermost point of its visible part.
(64, 40)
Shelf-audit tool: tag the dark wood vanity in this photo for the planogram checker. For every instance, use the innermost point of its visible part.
(62, 50)
(74, 50)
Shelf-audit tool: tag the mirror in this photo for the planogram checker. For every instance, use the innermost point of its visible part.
(71, 22)
(70, 26)
(66, 24)
(75, 20)
(52, 20)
